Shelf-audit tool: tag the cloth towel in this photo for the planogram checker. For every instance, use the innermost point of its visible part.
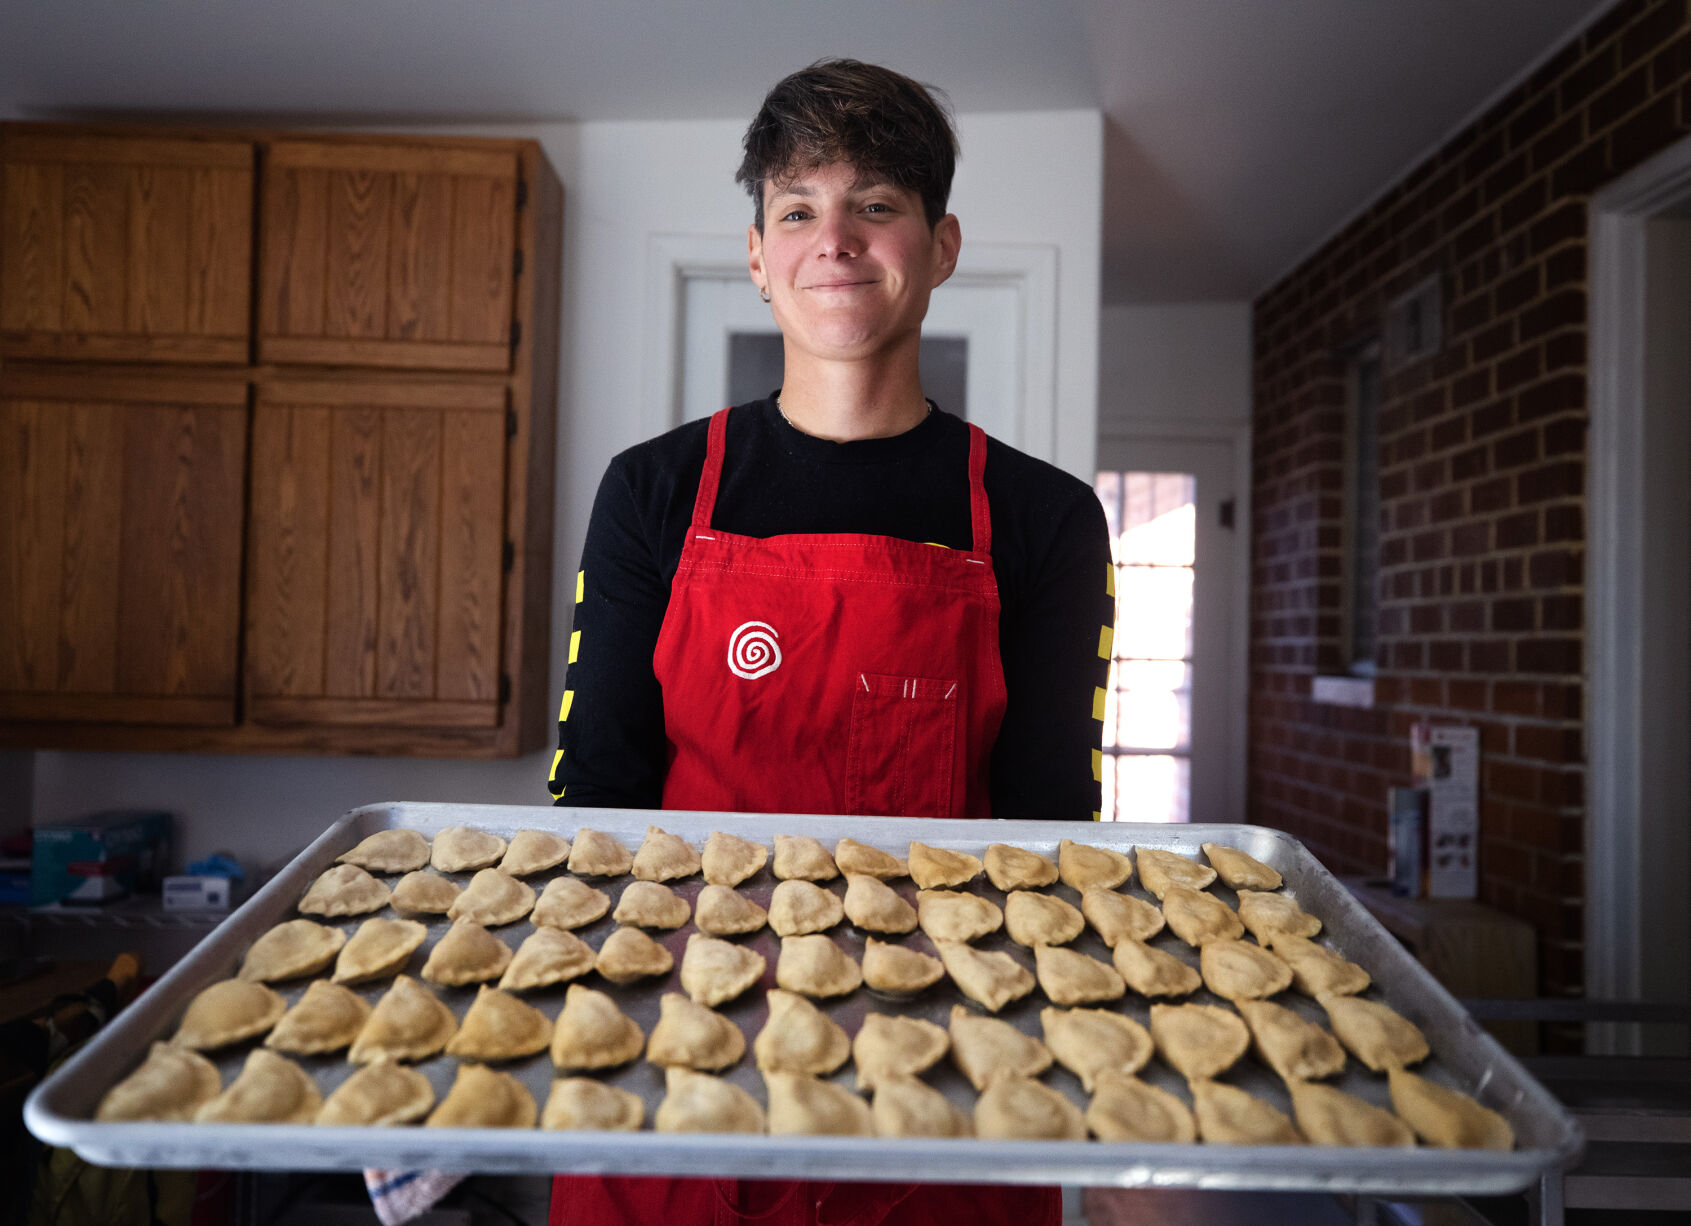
(399, 1196)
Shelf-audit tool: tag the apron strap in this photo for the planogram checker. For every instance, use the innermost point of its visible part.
(980, 514)
(716, 445)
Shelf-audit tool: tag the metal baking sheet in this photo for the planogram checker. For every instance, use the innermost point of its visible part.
(1464, 1055)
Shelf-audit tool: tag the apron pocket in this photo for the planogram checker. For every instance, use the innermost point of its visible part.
(900, 756)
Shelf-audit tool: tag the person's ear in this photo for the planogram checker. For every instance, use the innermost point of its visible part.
(754, 259)
(948, 241)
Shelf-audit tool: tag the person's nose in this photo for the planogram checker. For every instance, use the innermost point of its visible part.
(840, 237)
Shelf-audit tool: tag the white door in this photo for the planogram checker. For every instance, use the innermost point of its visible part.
(1174, 705)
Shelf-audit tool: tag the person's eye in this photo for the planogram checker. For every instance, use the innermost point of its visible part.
(794, 215)
(877, 207)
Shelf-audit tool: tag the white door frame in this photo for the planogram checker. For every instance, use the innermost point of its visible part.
(1637, 909)
(1028, 270)
(1158, 447)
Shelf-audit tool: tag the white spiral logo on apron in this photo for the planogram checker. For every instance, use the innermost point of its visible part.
(753, 651)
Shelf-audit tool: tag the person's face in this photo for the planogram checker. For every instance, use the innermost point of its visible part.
(848, 264)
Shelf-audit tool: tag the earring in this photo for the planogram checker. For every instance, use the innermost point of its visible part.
(763, 292)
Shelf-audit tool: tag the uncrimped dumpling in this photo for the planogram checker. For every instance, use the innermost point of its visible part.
(1331, 1117)
(592, 1032)
(461, 849)
(1239, 871)
(1015, 868)
(873, 905)
(1318, 971)
(597, 854)
(498, 1026)
(1041, 919)
(468, 953)
(1159, 869)
(1082, 867)
(1022, 1109)
(723, 911)
(327, 1018)
(1089, 1041)
(171, 1084)
(1199, 918)
(693, 1036)
(483, 1098)
(909, 1107)
(227, 1012)
(1297, 1049)
(952, 915)
(798, 857)
(585, 1104)
(292, 949)
(898, 969)
(800, 1038)
(493, 898)
(1239, 970)
(1124, 1108)
(408, 1023)
(814, 966)
(424, 893)
(728, 859)
(569, 903)
(344, 889)
(860, 859)
(993, 979)
(389, 851)
(985, 1049)
(1120, 917)
(270, 1089)
(1444, 1117)
(547, 956)
(534, 851)
(1376, 1034)
(629, 954)
(664, 857)
(714, 971)
(1150, 971)
(797, 907)
(647, 904)
(892, 1046)
(936, 868)
(380, 1094)
(1070, 977)
(1227, 1115)
(1267, 914)
(1198, 1041)
(380, 947)
(801, 1105)
(698, 1102)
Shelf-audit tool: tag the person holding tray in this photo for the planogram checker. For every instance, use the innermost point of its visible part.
(840, 599)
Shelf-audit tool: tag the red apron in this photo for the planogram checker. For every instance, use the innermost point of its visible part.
(830, 673)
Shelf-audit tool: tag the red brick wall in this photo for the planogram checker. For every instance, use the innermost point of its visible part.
(1482, 479)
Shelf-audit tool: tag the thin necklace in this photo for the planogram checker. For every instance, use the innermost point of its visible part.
(928, 407)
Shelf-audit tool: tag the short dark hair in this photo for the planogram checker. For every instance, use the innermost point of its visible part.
(837, 110)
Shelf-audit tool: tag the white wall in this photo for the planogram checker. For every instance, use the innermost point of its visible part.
(1183, 362)
(1027, 178)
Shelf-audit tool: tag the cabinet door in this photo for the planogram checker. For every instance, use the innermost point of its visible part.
(120, 547)
(388, 255)
(127, 248)
(377, 559)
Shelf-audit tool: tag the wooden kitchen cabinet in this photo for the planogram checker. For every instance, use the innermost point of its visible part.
(127, 248)
(120, 547)
(328, 532)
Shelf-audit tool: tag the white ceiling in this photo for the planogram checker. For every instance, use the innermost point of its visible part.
(1239, 133)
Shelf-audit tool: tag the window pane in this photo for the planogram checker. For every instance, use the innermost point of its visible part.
(1149, 706)
(1150, 788)
(1154, 612)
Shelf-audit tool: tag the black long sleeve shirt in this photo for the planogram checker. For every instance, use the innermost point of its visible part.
(1050, 554)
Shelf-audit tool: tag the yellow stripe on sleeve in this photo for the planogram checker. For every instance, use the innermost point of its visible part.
(1097, 766)
(1097, 703)
(564, 706)
(575, 645)
(581, 585)
(1106, 643)
(1096, 816)
(557, 757)
(1109, 580)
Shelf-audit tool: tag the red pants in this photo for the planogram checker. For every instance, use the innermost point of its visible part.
(592, 1201)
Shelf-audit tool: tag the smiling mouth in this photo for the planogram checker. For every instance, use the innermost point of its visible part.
(827, 285)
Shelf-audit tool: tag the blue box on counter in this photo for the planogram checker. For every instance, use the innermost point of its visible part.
(99, 858)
